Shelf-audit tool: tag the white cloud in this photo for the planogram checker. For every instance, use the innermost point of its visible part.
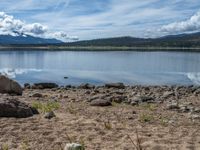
(11, 26)
(97, 19)
(123, 17)
(190, 25)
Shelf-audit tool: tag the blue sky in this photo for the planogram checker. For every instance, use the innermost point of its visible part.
(88, 19)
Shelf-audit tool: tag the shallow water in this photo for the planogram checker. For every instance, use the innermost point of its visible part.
(146, 68)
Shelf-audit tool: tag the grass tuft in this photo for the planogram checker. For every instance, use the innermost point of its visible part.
(137, 144)
(146, 118)
(5, 147)
(151, 107)
(46, 107)
(108, 125)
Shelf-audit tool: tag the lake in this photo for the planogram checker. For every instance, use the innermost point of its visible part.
(133, 68)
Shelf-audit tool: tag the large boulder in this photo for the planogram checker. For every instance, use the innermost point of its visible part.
(143, 99)
(115, 85)
(16, 109)
(101, 103)
(9, 86)
(119, 99)
(44, 85)
(86, 86)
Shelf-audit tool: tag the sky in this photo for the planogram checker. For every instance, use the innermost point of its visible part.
(91, 19)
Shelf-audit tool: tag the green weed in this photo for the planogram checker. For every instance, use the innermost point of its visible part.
(146, 118)
(46, 107)
(5, 147)
(151, 107)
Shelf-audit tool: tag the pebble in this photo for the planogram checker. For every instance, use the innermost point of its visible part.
(100, 102)
(173, 105)
(74, 146)
(195, 117)
(37, 95)
(49, 115)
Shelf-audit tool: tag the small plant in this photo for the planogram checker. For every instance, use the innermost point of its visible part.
(151, 107)
(51, 106)
(4, 147)
(59, 146)
(82, 142)
(114, 104)
(69, 138)
(108, 125)
(37, 105)
(146, 118)
(163, 121)
(25, 145)
(82, 148)
(46, 107)
(137, 145)
(71, 109)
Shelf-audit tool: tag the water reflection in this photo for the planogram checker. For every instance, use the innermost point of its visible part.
(100, 67)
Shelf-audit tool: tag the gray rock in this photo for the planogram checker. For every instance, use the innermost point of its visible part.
(196, 110)
(96, 90)
(195, 117)
(34, 111)
(27, 86)
(93, 98)
(115, 85)
(44, 85)
(9, 86)
(173, 105)
(49, 115)
(119, 99)
(15, 108)
(74, 146)
(197, 92)
(86, 86)
(68, 86)
(184, 109)
(133, 103)
(100, 96)
(37, 95)
(117, 92)
(142, 99)
(87, 92)
(168, 94)
(100, 102)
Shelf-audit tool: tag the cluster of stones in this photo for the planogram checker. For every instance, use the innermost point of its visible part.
(113, 93)
(154, 94)
(12, 107)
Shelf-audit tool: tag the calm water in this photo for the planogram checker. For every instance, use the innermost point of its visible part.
(152, 68)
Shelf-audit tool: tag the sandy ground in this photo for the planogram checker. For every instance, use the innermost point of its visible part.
(101, 128)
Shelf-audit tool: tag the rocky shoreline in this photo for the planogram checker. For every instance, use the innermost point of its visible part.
(102, 117)
(118, 93)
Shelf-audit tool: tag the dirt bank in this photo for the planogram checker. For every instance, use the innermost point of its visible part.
(162, 117)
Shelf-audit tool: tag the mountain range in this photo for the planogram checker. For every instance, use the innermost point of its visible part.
(181, 40)
(25, 39)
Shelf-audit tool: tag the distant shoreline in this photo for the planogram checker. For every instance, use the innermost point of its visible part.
(98, 48)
